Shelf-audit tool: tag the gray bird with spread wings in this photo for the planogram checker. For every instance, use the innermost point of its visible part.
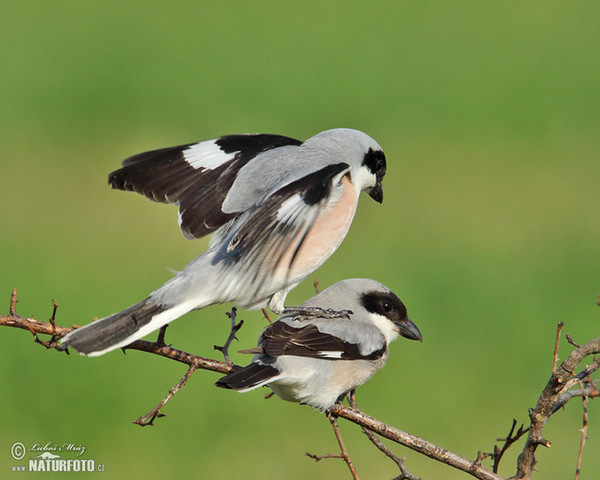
(277, 208)
(312, 360)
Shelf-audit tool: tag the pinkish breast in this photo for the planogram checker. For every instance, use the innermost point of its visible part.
(326, 234)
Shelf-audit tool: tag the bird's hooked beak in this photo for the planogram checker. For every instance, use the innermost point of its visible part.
(409, 330)
(376, 192)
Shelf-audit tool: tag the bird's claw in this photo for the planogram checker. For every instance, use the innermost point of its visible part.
(317, 312)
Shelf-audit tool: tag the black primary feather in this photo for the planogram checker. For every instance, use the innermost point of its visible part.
(164, 175)
(247, 377)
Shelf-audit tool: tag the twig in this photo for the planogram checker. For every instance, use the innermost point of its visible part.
(266, 315)
(508, 441)
(558, 329)
(12, 309)
(318, 458)
(404, 473)
(53, 342)
(572, 342)
(149, 418)
(234, 328)
(413, 442)
(35, 326)
(583, 431)
(160, 340)
(585, 373)
(333, 420)
(560, 381)
(589, 390)
(46, 328)
(375, 440)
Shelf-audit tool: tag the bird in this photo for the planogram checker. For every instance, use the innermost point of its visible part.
(276, 209)
(315, 361)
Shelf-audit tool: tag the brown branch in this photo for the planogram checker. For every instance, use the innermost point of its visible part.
(148, 419)
(190, 359)
(571, 341)
(266, 315)
(338, 436)
(554, 394)
(585, 373)
(160, 340)
(583, 431)
(351, 414)
(375, 440)
(413, 442)
(510, 439)
(318, 458)
(12, 309)
(157, 348)
(558, 329)
(559, 382)
(589, 390)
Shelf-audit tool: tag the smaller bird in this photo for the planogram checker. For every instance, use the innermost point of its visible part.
(315, 361)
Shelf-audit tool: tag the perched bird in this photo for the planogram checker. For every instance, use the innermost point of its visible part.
(313, 360)
(277, 208)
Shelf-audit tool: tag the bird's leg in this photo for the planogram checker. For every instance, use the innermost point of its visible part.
(317, 312)
(352, 398)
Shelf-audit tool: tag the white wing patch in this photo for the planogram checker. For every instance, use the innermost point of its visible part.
(337, 355)
(206, 155)
(289, 207)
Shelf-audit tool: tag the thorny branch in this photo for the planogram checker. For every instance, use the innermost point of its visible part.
(558, 329)
(318, 458)
(583, 436)
(149, 418)
(338, 437)
(404, 473)
(554, 396)
(375, 440)
(511, 438)
(562, 378)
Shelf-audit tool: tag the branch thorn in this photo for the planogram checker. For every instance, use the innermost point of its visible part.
(13, 303)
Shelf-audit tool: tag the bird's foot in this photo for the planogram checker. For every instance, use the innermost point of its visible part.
(317, 312)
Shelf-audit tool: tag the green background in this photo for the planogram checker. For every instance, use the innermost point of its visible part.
(489, 231)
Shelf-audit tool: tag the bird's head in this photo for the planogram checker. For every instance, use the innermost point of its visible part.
(389, 314)
(363, 154)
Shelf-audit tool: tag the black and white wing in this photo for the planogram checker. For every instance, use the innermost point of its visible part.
(196, 177)
(281, 338)
(278, 227)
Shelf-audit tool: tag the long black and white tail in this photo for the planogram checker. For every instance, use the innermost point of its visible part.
(248, 378)
(119, 329)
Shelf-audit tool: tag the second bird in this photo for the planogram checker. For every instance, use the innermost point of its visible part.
(277, 208)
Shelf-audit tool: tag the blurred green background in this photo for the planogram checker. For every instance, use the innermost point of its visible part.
(490, 232)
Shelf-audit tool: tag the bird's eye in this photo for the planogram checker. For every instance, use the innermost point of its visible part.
(380, 165)
(387, 306)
